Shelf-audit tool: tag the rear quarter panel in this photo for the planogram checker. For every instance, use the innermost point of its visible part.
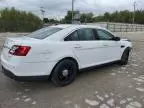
(49, 51)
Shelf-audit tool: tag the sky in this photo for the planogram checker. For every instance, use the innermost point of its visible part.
(57, 8)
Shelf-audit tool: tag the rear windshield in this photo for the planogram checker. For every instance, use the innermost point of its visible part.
(44, 32)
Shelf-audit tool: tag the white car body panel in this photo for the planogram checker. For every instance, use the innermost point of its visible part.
(46, 53)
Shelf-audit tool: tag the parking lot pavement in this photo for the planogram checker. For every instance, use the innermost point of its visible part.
(105, 87)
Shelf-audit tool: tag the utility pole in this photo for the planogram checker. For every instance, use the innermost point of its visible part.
(134, 7)
(42, 11)
(72, 11)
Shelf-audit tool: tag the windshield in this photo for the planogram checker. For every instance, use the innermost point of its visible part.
(44, 32)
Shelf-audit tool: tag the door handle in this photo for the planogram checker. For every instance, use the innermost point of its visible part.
(77, 46)
(105, 45)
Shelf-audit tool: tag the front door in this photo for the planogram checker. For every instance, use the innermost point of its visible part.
(111, 48)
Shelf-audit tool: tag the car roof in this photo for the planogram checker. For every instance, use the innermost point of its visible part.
(67, 29)
(63, 26)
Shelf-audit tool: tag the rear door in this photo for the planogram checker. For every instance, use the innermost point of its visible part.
(111, 49)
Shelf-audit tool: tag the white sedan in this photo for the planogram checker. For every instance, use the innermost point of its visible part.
(60, 52)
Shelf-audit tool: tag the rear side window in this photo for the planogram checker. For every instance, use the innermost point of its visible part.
(86, 34)
(72, 37)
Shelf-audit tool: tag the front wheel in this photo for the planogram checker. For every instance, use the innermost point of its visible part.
(64, 73)
(125, 58)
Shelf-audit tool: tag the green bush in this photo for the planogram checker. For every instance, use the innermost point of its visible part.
(12, 20)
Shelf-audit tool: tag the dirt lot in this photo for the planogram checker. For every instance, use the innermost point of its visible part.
(105, 87)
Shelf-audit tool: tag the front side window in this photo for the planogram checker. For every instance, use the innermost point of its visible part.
(104, 35)
(86, 34)
(43, 33)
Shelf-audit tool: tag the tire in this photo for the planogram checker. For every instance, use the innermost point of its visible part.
(64, 73)
(125, 57)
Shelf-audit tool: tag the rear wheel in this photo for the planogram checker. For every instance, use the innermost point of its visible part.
(125, 57)
(64, 73)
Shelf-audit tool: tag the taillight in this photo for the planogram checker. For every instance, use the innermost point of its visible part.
(19, 50)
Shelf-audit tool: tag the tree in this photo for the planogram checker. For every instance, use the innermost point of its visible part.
(86, 17)
(117, 16)
(68, 17)
(13, 20)
(122, 16)
(45, 20)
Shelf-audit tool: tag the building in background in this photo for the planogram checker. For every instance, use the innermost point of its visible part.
(76, 19)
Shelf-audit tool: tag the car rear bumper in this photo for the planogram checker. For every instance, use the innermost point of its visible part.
(26, 70)
(23, 78)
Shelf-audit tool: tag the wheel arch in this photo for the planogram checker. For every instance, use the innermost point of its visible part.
(126, 49)
(65, 58)
(69, 58)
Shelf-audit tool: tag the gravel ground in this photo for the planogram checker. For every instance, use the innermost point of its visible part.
(111, 86)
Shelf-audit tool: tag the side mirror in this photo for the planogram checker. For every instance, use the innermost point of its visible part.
(116, 38)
